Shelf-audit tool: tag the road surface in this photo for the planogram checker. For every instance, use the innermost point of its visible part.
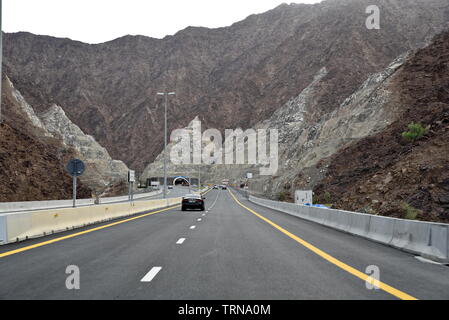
(234, 250)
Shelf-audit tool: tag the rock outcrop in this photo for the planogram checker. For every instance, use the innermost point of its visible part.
(101, 170)
(54, 129)
(31, 161)
(386, 174)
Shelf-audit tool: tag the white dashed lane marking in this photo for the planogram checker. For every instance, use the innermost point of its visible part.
(151, 274)
(199, 219)
(192, 227)
(181, 241)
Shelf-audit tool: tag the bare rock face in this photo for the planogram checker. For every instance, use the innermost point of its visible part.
(101, 170)
(25, 107)
(307, 143)
(156, 168)
(31, 161)
(384, 173)
(231, 77)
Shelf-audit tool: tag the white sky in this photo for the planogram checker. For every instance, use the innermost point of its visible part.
(96, 21)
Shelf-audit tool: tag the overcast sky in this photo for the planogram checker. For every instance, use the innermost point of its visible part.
(96, 21)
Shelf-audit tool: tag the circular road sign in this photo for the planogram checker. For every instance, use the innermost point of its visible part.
(75, 167)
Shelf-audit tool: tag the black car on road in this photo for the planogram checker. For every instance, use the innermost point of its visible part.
(192, 201)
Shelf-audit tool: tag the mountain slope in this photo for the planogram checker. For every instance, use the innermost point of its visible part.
(231, 77)
(387, 172)
(31, 163)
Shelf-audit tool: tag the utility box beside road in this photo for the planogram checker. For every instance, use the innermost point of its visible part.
(303, 197)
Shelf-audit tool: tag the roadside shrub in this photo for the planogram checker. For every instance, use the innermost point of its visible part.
(409, 212)
(323, 198)
(415, 131)
(327, 197)
(281, 196)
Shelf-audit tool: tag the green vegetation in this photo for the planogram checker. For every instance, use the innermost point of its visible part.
(324, 198)
(281, 196)
(327, 197)
(409, 212)
(415, 131)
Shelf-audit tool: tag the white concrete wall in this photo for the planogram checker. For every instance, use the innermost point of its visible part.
(430, 240)
(30, 224)
(33, 205)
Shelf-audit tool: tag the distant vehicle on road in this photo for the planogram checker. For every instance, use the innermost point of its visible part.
(215, 187)
(170, 187)
(192, 201)
(224, 187)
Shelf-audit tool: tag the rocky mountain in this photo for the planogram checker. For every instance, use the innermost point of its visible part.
(389, 174)
(36, 147)
(31, 161)
(355, 157)
(230, 77)
(101, 170)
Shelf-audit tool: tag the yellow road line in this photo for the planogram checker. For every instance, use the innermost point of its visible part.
(40, 244)
(385, 287)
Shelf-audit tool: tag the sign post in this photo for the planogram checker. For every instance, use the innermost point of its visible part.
(75, 168)
(131, 180)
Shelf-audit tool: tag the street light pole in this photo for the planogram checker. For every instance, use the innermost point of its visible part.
(165, 94)
(199, 179)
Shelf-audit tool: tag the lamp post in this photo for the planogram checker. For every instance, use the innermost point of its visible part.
(165, 94)
(199, 179)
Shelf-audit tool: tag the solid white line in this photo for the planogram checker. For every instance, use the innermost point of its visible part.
(192, 227)
(150, 275)
(213, 205)
(181, 240)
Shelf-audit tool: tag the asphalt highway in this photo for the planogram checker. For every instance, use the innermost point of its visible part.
(233, 250)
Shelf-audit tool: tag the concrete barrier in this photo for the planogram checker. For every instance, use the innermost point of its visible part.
(23, 225)
(316, 215)
(340, 220)
(3, 235)
(381, 229)
(6, 207)
(359, 224)
(430, 240)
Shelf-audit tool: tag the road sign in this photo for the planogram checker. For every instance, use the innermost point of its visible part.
(303, 196)
(131, 176)
(75, 167)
